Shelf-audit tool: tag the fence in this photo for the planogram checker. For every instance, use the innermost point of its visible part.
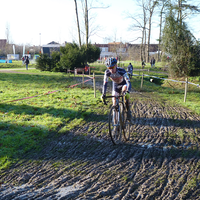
(186, 83)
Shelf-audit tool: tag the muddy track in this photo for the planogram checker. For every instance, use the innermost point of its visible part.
(161, 160)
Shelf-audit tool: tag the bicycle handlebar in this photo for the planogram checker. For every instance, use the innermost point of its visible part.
(106, 97)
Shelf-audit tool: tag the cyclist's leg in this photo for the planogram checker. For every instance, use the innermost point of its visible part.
(116, 92)
(129, 116)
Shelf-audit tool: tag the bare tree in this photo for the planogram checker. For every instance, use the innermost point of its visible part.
(86, 8)
(162, 4)
(151, 5)
(143, 44)
(86, 24)
(139, 23)
(79, 34)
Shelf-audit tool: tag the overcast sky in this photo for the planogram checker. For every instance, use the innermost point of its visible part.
(42, 21)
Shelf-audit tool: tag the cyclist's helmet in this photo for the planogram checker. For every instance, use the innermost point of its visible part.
(110, 62)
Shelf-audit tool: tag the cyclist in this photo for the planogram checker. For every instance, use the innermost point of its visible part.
(121, 83)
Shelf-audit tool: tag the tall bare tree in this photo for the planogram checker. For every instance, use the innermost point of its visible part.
(139, 23)
(86, 24)
(143, 44)
(151, 5)
(163, 4)
(87, 6)
(78, 26)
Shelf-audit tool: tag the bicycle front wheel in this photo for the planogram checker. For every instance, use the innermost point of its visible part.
(125, 122)
(115, 129)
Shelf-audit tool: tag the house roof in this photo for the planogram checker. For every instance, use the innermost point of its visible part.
(52, 45)
(115, 43)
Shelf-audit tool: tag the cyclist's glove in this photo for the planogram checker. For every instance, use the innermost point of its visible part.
(127, 95)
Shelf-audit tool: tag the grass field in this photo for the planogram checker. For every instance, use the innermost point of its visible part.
(55, 108)
(26, 123)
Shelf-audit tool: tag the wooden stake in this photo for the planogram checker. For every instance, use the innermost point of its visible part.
(142, 80)
(83, 79)
(94, 85)
(186, 88)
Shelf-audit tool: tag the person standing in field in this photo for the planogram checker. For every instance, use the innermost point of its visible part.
(130, 70)
(152, 62)
(26, 62)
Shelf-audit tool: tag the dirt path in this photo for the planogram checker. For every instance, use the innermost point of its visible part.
(161, 160)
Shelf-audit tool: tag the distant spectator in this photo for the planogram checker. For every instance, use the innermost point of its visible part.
(26, 62)
(152, 62)
(143, 64)
(130, 70)
(87, 69)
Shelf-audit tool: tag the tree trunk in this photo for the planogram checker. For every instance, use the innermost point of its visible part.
(180, 11)
(151, 9)
(148, 42)
(161, 12)
(144, 34)
(86, 23)
(79, 34)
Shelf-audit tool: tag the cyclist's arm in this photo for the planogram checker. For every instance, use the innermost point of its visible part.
(128, 83)
(105, 83)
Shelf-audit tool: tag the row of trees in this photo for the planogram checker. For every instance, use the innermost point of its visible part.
(175, 38)
(71, 56)
(178, 41)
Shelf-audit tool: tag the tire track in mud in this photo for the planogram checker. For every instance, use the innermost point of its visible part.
(161, 160)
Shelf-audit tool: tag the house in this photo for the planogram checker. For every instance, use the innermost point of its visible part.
(113, 49)
(50, 47)
(118, 49)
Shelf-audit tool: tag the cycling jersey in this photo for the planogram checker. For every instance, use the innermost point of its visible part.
(119, 78)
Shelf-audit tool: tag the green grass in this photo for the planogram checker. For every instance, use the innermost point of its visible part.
(14, 64)
(161, 89)
(25, 124)
(169, 92)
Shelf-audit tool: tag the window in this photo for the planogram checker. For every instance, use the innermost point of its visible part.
(104, 49)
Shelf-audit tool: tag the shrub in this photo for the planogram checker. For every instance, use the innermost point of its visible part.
(69, 57)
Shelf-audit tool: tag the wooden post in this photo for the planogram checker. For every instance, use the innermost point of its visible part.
(142, 80)
(74, 71)
(94, 85)
(186, 88)
(83, 78)
(68, 72)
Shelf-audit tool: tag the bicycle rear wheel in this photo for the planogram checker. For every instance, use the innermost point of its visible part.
(115, 129)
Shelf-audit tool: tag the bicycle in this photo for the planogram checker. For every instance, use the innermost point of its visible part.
(117, 120)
